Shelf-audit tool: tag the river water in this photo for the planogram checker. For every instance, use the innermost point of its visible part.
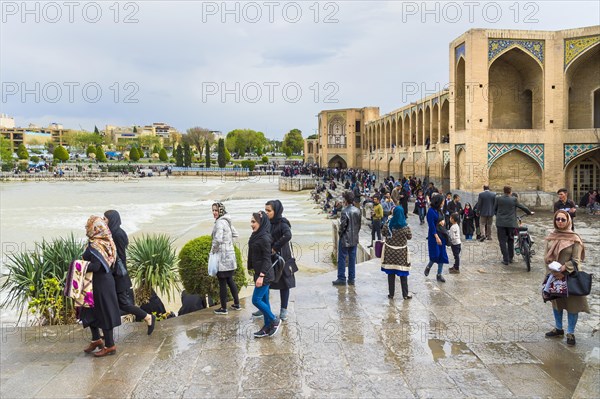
(179, 207)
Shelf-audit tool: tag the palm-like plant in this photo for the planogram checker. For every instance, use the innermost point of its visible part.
(152, 263)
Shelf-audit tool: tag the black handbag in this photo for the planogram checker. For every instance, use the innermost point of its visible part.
(579, 283)
(120, 269)
(291, 262)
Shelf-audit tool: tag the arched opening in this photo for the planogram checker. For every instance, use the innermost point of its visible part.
(444, 120)
(461, 160)
(388, 135)
(427, 127)
(401, 171)
(446, 178)
(394, 134)
(406, 132)
(518, 170)
(413, 129)
(459, 91)
(434, 125)
(583, 174)
(420, 127)
(583, 81)
(516, 92)
(337, 162)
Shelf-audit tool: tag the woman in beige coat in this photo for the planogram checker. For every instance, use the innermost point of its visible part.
(565, 247)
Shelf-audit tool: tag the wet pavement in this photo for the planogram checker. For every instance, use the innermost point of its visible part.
(481, 334)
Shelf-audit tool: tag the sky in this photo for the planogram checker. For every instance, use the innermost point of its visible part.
(270, 66)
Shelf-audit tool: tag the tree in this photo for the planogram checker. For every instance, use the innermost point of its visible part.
(221, 154)
(155, 150)
(245, 140)
(96, 131)
(134, 155)
(207, 154)
(179, 156)
(22, 152)
(90, 150)
(294, 141)
(313, 137)
(135, 129)
(6, 154)
(287, 151)
(259, 151)
(162, 155)
(61, 153)
(196, 136)
(227, 156)
(100, 155)
(187, 155)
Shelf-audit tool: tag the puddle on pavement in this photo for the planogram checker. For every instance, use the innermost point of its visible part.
(441, 349)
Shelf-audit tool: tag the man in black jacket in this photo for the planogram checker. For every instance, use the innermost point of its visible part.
(348, 240)
(566, 204)
(505, 208)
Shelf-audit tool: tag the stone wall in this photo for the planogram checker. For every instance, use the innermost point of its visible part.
(297, 183)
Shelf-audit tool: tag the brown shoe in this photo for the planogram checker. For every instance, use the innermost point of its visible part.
(93, 345)
(453, 271)
(106, 351)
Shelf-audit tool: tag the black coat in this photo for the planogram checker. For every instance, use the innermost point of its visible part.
(123, 284)
(282, 234)
(105, 314)
(259, 251)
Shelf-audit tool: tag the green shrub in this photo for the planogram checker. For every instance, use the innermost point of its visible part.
(265, 159)
(35, 159)
(193, 269)
(22, 152)
(152, 264)
(61, 154)
(248, 164)
(162, 155)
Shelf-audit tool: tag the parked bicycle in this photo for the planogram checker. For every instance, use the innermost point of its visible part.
(524, 242)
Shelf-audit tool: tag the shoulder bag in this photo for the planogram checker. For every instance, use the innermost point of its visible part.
(579, 283)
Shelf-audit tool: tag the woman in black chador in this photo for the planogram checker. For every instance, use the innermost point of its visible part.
(123, 283)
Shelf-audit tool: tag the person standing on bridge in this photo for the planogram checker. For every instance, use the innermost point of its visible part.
(395, 258)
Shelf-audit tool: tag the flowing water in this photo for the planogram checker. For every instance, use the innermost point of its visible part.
(179, 207)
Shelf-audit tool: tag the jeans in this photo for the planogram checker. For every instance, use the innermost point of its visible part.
(421, 214)
(350, 252)
(260, 299)
(507, 242)
(223, 283)
(376, 230)
(440, 266)
(571, 320)
(456, 252)
(284, 295)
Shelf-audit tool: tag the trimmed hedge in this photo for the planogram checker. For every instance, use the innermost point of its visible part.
(193, 269)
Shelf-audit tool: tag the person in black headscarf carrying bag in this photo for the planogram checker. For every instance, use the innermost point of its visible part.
(122, 280)
(281, 234)
(259, 260)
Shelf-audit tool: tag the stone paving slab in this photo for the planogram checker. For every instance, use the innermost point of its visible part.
(464, 338)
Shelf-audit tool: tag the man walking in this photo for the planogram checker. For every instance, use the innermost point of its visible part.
(485, 206)
(505, 208)
(348, 240)
(377, 217)
(566, 204)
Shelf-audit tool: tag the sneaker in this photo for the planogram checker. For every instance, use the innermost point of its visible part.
(283, 314)
(570, 339)
(440, 278)
(339, 282)
(236, 307)
(261, 333)
(555, 333)
(427, 269)
(350, 282)
(221, 311)
(274, 327)
(390, 297)
(257, 314)
(453, 270)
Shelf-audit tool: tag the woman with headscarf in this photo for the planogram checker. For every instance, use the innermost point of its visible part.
(395, 259)
(123, 283)
(222, 245)
(436, 239)
(101, 253)
(565, 247)
(259, 260)
(281, 234)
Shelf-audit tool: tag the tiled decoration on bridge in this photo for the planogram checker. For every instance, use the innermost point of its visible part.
(535, 151)
(420, 106)
(458, 51)
(406, 112)
(459, 147)
(435, 101)
(497, 47)
(444, 97)
(446, 158)
(577, 45)
(574, 150)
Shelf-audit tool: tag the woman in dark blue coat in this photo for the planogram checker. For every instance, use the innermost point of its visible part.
(436, 239)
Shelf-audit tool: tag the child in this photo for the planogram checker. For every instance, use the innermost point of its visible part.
(420, 205)
(468, 219)
(454, 234)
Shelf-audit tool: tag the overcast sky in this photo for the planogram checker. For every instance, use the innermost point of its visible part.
(267, 66)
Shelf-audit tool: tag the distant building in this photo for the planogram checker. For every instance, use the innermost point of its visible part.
(31, 135)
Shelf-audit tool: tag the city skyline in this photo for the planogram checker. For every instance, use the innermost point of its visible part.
(266, 66)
